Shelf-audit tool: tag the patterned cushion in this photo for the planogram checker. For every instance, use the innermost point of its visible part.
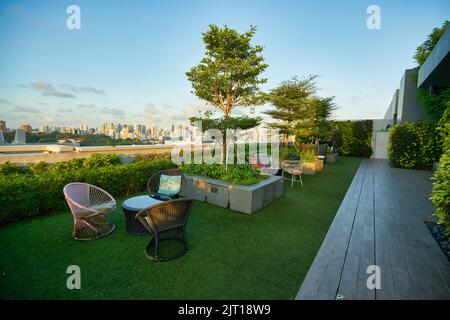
(295, 171)
(169, 185)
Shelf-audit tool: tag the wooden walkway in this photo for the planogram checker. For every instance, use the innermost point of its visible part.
(381, 222)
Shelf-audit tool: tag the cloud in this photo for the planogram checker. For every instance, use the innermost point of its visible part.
(188, 111)
(23, 109)
(47, 89)
(115, 112)
(68, 110)
(150, 110)
(6, 102)
(83, 89)
(86, 106)
(152, 113)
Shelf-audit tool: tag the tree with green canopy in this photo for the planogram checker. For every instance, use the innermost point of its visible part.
(229, 76)
(302, 113)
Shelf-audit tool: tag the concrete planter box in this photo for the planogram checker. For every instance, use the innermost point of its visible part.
(332, 157)
(312, 167)
(245, 199)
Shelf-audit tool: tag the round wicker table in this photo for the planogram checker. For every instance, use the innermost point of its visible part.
(131, 207)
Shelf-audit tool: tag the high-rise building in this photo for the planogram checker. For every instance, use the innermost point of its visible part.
(26, 128)
(45, 128)
(2, 139)
(20, 137)
(2, 125)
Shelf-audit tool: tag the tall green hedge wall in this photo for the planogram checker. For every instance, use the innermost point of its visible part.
(414, 145)
(440, 196)
(354, 138)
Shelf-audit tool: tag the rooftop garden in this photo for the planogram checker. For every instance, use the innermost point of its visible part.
(231, 256)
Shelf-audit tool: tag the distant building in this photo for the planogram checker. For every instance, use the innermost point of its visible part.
(26, 128)
(2, 126)
(2, 139)
(69, 142)
(20, 137)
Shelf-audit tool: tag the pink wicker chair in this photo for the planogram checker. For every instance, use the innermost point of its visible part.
(88, 205)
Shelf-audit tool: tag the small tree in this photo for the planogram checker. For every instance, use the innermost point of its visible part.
(229, 75)
(302, 113)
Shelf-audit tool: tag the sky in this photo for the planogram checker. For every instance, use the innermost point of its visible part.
(127, 63)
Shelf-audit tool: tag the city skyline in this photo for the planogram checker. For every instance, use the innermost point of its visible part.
(119, 70)
(113, 130)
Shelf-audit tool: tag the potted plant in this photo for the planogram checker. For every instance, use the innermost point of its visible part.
(331, 155)
(312, 164)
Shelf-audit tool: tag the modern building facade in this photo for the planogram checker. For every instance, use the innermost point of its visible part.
(435, 72)
(405, 106)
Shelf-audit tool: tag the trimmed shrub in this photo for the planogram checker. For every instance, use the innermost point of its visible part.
(30, 195)
(354, 138)
(414, 145)
(440, 196)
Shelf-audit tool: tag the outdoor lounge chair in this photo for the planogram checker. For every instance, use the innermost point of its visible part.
(166, 184)
(294, 168)
(166, 222)
(263, 162)
(88, 205)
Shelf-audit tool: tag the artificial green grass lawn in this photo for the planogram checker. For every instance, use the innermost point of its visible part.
(231, 255)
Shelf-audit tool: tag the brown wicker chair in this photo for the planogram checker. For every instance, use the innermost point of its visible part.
(167, 224)
(154, 181)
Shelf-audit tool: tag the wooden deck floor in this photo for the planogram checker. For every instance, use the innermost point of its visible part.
(381, 222)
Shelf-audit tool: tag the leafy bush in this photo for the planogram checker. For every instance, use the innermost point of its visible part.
(29, 195)
(354, 138)
(308, 155)
(101, 160)
(440, 196)
(94, 161)
(11, 168)
(289, 153)
(434, 104)
(414, 145)
(235, 173)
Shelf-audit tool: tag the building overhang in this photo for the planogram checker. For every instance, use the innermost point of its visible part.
(436, 69)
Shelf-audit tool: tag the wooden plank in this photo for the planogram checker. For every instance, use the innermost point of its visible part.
(322, 279)
(381, 221)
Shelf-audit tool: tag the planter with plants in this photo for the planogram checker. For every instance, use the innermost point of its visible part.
(331, 155)
(312, 164)
(239, 187)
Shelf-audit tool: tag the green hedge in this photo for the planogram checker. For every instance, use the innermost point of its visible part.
(440, 196)
(414, 145)
(30, 195)
(354, 138)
